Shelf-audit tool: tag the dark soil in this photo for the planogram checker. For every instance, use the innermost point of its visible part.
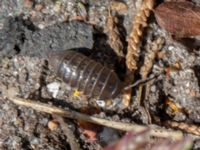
(28, 34)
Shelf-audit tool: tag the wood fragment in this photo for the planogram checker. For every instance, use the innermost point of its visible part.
(188, 128)
(140, 21)
(154, 131)
(179, 18)
(113, 35)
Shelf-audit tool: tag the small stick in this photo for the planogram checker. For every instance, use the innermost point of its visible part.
(154, 131)
(151, 51)
(74, 145)
(142, 81)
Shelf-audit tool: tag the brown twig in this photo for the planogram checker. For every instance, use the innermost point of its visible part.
(151, 52)
(155, 131)
(74, 145)
(141, 82)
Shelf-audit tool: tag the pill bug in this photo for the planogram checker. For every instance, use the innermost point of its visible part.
(85, 74)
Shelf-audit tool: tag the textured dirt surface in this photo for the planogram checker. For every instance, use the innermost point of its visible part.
(29, 29)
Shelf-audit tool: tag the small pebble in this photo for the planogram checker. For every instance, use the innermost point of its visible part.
(170, 48)
(108, 135)
(153, 88)
(53, 88)
(53, 125)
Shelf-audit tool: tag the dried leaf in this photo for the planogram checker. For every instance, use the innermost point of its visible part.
(114, 35)
(89, 130)
(179, 18)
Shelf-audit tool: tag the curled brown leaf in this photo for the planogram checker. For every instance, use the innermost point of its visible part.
(179, 18)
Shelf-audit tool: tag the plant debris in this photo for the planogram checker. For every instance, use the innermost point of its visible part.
(12, 92)
(133, 50)
(114, 35)
(139, 23)
(179, 18)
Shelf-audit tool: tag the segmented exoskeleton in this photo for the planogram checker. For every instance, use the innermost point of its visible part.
(85, 74)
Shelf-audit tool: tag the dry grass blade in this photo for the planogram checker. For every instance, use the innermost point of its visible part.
(154, 131)
(133, 46)
(140, 82)
(134, 37)
(114, 35)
